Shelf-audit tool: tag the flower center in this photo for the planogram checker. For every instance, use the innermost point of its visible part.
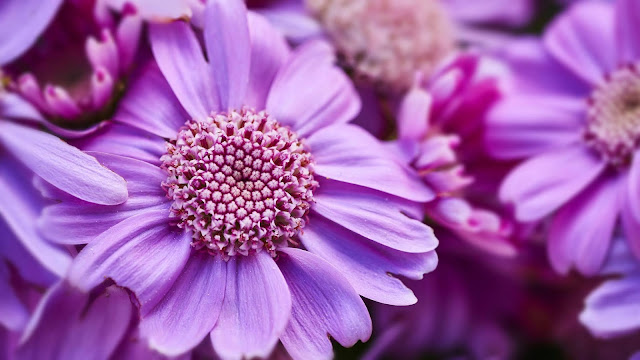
(387, 41)
(613, 117)
(240, 182)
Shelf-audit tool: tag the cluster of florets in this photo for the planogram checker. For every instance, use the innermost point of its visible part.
(613, 127)
(240, 182)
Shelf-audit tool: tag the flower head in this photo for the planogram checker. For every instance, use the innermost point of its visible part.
(246, 188)
(573, 117)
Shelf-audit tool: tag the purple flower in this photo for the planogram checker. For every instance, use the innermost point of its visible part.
(457, 310)
(574, 118)
(387, 42)
(441, 124)
(237, 225)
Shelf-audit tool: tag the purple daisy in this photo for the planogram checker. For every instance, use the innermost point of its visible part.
(387, 42)
(246, 194)
(441, 124)
(574, 117)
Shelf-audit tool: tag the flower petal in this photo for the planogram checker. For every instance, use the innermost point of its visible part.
(13, 314)
(256, 308)
(269, 51)
(582, 230)
(543, 183)
(142, 253)
(627, 18)
(413, 118)
(324, 303)
(15, 37)
(309, 92)
(582, 40)
(612, 309)
(68, 324)
(69, 222)
(349, 154)
(150, 104)
(62, 165)
(181, 60)
(226, 35)
(524, 126)
(374, 215)
(190, 309)
(366, 264)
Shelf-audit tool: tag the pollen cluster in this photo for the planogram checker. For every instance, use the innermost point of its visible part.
(240, 182)
(387, 41)
(613, 117)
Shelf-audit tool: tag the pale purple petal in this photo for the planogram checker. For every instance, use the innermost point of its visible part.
(256, 308)
(523, 126)
(13, 106)
(181, 60)
(294, 23)
(62, 165)
(543, 183)
(582, 230)
(324, 303)
(15, 35)
(627, 18)
(69, 325)
(190, 309)
(269, 51)
(413, 117)
(366, 264)
(150, 104)
(71, 223)
(349, 154)
(142, 253)
(508, 12)
(20, 207)
(126, 141)
(582, 40)
(226, 35)
(612, 309)
(630, 212)
(374, 215)
(13, 314)
(309, 92)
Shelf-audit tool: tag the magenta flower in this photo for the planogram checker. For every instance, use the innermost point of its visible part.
(574, 118)
(387, 42)
(235, 224)
(441, 124)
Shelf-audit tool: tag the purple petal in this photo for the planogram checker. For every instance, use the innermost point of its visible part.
(256, 308)
(582, 40)
(21, 204)
(190, 309)
(15, 36)
(181, 60)
(269, 51)
(62, 165)
(324, 303)
(78, 223)
(151, 105)
(309, 92)
(543, 183)
(630, 212)
(612, 309)
(506, 12)
(627, 18)
(349, 154)
(13, 314)
(13, 106)
(374, 215)
(413, 118)
(543, 75)
(226, 35)
(127, 141)
(366, 264)
(582, 230)
(296, 24)
(69, 325)
(142, 253)
(524, 126)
